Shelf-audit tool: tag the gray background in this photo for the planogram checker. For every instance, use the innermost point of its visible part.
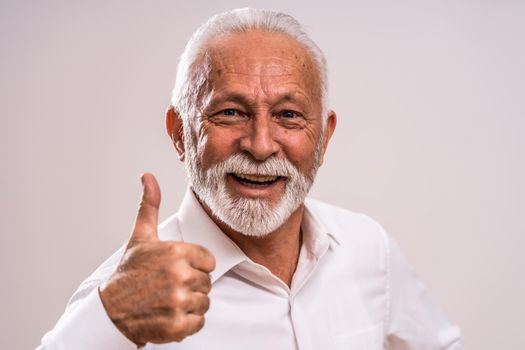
(429, 96)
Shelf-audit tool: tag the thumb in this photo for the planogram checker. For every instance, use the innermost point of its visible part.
(148, 215)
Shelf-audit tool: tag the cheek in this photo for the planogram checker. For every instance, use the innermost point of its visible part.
(215, 145)
(299, 148)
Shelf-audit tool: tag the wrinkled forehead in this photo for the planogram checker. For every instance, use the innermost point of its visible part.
(261, 54)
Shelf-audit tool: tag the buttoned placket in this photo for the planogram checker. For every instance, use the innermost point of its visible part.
(311, 252)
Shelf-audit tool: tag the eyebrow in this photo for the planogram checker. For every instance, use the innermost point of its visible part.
(236, 97)
(230, 97)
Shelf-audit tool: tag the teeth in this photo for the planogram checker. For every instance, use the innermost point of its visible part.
(256, 178)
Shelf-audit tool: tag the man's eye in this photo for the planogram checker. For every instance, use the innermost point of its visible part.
(230, 112)
(289, 114)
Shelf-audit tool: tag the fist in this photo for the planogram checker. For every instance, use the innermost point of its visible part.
(159, 291)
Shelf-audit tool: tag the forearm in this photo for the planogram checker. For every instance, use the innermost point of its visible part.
(85, 325)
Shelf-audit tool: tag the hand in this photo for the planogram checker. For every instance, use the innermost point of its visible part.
(159, 291)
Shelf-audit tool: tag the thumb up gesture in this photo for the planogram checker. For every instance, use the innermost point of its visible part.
(159, 291)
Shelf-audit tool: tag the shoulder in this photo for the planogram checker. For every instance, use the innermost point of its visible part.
(352, 230)
(343, 222)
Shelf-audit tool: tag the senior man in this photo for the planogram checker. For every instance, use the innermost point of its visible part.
(249, 119)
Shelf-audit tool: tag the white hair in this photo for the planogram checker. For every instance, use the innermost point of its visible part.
(194, 66)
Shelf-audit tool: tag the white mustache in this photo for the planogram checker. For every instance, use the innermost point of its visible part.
(243, 164)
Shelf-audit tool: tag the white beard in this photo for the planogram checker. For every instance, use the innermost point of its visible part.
(249, 216)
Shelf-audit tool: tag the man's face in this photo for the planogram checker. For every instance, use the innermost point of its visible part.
(263, 108)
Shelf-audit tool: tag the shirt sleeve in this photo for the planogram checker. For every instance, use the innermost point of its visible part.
(85, 323)
(415, 321)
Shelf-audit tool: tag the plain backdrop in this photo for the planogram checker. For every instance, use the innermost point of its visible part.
(429, 142)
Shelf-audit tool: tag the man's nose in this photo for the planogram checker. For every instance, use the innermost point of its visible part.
(259, 140)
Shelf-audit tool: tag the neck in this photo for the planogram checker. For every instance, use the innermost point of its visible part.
(278, 251)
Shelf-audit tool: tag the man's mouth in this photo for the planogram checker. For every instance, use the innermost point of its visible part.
(255, 180)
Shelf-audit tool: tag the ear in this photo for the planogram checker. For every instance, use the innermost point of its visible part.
(175, 130)
(331, 122)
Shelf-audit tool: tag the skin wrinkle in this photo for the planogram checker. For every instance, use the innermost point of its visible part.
(264, 92)
(265, 66)
(264, 81)
(265, 74)
(232, 95)
(254, 112)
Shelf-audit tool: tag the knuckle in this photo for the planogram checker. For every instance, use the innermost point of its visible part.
(185, 276)
(206, 304)
(179, 250)
(178, 338)
(179, 328)
(206, 284)
(182, 300)
(209, 260)
(199, 324)
(212, 262)
(205, 253)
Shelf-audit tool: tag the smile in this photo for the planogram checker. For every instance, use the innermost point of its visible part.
(255, 180)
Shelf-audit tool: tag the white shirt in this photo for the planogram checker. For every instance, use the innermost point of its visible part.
(352, 290)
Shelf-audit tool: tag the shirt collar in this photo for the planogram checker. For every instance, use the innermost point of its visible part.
(198, 228)
(314, 225)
